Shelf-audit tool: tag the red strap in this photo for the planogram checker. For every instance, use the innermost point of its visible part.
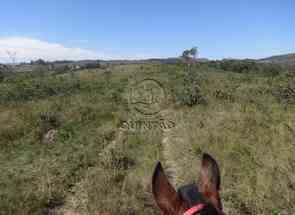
(194, 209)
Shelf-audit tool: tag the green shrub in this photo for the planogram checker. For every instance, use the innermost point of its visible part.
(1, 76)
(247, 66)
(189, 92)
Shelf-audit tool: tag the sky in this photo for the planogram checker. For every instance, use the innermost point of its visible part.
(133, 29)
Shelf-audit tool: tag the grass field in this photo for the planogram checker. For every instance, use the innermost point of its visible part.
(246, 120)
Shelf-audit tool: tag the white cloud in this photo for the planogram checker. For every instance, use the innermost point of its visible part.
(27, 49)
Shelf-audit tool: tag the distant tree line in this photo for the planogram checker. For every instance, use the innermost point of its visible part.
(190, 56)
(246, 66)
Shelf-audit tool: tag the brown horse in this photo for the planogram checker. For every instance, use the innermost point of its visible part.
(201, 198)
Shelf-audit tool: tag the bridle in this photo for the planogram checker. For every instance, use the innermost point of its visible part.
(194, 199)
(195, 209)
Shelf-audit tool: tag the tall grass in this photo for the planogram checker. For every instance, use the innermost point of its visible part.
(245, 120)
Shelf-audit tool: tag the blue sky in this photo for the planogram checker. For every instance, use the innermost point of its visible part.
(139, 29)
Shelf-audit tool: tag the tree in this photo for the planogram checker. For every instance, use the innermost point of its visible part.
(190, 55)
(3, 71)
(39, 62)
(12, 56)
(194, 52)
(1, 75)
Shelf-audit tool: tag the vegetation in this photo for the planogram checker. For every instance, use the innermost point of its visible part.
(247, 66)
(190, 54)
(241, 112)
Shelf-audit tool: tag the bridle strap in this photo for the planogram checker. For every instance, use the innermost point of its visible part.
(195, 209)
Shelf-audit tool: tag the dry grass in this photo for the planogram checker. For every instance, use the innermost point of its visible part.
(247, 123)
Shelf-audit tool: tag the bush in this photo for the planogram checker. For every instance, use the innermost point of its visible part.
(1, 76)
(94, 65)
(247, 66)
(62, 69)
(190, 93)
(285, 94)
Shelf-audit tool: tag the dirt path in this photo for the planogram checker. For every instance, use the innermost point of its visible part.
(171, 166)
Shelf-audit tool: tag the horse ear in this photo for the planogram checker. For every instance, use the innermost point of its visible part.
(209, 180)
(165, 195)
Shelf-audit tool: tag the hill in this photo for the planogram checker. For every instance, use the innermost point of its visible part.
(288, 59)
